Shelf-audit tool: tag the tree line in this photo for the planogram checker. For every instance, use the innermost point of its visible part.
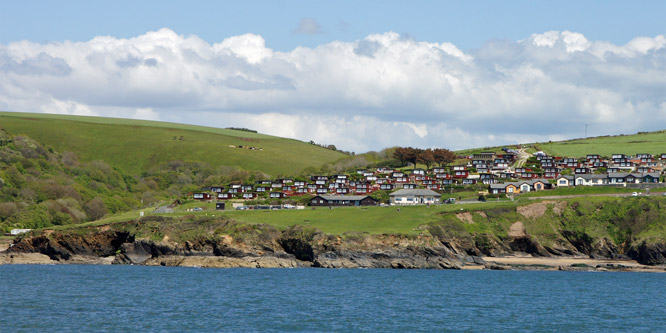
(439, 156)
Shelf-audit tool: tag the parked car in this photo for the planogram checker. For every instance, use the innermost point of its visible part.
(198, 209)
(635, 194)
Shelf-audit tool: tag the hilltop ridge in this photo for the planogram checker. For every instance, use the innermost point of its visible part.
(136, 146)
(606, 145)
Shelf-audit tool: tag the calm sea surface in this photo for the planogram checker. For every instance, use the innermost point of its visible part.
(136, 298)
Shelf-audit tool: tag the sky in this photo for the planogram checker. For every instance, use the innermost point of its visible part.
(362, 75)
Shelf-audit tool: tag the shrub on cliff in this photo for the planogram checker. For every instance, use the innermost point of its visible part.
(35, 216)
(95, 209)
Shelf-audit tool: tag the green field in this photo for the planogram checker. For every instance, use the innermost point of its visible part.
(373, 220)
(336, 221)
(649, 142)
(652, 143)
(137, 145)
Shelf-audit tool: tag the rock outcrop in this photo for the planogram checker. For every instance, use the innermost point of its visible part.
(300, 246)
(648, 253)
(61, 246)
(294, 247)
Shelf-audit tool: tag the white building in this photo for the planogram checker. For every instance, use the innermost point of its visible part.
(414, 197)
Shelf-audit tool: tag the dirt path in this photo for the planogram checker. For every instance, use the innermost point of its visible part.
(522, 158)
(4, 244)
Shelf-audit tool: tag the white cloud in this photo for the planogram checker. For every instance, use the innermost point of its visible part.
(546, 39)
(67, 107)
(251, 47)
(146, 114)
(383, 90)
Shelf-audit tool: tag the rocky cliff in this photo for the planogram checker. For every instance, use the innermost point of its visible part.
(294, 247)
(300, 246)
(457, 239)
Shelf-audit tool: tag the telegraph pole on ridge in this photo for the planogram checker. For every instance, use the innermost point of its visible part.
(586, 131)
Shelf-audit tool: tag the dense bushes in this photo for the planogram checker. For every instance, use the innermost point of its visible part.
(40, 187)
(622, 219)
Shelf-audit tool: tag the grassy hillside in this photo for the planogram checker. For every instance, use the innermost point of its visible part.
(649, 142)
(137, 145)
(374, 220)
(615, 218)
(644, 142)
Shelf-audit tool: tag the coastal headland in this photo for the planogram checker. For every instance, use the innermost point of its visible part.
(86, 191)
(548, 235)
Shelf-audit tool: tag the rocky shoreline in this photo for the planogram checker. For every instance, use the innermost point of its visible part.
(495, 263)
(302, 247)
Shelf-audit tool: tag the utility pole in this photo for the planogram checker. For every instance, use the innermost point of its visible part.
(586, 131)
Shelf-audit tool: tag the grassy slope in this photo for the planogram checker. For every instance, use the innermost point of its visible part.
(596, 216)
(650, 142)
(337, 221)
(374, 220)
(137, 145)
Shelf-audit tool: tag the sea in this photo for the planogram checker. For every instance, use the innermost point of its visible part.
(72, 298)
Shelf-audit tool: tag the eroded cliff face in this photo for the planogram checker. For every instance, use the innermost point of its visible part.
(62, 246)
(648, 254)
(545, 229)
(304, 247)
(294, 247)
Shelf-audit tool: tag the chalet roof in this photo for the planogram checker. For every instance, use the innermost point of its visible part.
(617, 174)
(415, 192)
(344, 197)
(651, 174)
(530, 182)
(592, 176)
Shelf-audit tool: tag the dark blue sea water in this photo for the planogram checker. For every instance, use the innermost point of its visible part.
(135, 298)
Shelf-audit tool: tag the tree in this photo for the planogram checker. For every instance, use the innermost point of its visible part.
(426, 157)
(95, 209)
(400, 154)
(444, 156)
(412, 155)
